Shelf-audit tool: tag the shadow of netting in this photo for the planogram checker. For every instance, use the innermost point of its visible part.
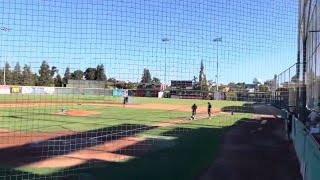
(191, 152)
(31, 152)
(184, 155)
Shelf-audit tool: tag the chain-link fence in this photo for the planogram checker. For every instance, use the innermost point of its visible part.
(285, 88)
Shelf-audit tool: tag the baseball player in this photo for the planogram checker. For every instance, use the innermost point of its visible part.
(194, 111)
(209, 110)
(125, 97)
(125, 101)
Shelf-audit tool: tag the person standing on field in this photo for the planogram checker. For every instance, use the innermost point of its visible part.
(209, 110)
(125, 100)
(194, 111)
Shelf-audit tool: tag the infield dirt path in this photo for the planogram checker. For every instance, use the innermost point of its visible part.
(21, 146)
(251, 150)
(169, 107)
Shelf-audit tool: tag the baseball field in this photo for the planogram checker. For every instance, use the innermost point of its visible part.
(94, 137)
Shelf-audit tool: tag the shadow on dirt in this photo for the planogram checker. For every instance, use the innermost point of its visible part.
(174, 154)
(38, 151)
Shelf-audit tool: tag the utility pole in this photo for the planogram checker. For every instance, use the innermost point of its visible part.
(217, 75)
(5, 29)
(164, 40)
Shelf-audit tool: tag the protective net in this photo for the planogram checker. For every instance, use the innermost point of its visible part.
(119, 88)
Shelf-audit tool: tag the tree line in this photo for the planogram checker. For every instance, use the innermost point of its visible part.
(50, 76)
(47, 76)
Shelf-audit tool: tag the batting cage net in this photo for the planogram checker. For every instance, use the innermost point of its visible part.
(108, 89)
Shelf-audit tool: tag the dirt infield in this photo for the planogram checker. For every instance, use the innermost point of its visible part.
(76, 113)
(67, 149)
(17, 138)
(171, 107)
(102, 152)
(63, 149)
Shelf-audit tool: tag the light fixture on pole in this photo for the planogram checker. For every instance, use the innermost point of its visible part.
(5, 29)
(217, 75)
(164, 40)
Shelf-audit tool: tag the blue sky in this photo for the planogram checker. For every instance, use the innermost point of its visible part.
(259, 37)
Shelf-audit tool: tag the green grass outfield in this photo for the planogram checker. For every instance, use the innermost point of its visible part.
(195, 142)
(40, 118)
(111, 99)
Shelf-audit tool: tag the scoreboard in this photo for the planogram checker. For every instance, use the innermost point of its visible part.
(187, 85)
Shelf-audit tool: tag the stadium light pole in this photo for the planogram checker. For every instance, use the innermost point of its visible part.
(217, 40)
(164, 40)
(5, 29)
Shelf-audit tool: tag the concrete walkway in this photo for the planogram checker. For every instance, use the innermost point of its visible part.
(252, 150)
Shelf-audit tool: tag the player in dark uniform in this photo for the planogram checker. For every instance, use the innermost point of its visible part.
(125, 100)
(194, 111)
(209, 110)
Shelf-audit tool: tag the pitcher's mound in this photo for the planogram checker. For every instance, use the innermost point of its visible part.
(77, 113)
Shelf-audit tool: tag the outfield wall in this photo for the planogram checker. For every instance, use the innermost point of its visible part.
(5, 90)
(38, 90)
(59, 91)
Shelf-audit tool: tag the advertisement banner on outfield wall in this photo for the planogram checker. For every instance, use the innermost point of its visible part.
(34, 90)
(15, 90)
(48, 90)
(27, 90)
(38, 90)
(117, 92)
(4, 89)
